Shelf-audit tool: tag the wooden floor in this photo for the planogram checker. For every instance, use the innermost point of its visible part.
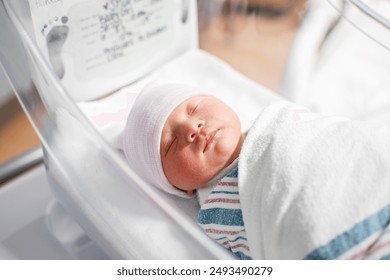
(254, 46)
(16, 133)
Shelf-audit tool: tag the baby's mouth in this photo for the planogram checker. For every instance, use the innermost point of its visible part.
(209, 138)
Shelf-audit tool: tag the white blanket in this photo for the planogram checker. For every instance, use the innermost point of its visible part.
(314, 186)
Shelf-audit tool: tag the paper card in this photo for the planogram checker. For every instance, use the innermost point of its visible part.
(96, 46)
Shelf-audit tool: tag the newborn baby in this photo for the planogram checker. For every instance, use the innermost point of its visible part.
(182, 139)
(296, 170)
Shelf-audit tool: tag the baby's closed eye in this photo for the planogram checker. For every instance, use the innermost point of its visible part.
(192, 107)
(169, 145)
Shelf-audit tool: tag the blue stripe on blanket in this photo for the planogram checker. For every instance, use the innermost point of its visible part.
(221, 216)
(225, 192)
(233, 173)
(386, 257)
(347, 240)
(242, 256)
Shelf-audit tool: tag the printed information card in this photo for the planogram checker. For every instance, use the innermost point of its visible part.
(96, 46)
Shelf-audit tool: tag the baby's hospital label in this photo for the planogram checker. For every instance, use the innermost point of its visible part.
(115, 36)
(86, 40)
(44, 3)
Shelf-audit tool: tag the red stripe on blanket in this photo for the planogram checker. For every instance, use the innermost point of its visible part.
(217, 231)
(370, 250)
(240, 246)
(229, 184)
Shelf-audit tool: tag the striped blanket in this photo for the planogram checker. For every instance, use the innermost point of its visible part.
(369, 239)
(220, 216)
(315, 187)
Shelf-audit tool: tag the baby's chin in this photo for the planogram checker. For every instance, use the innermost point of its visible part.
(203, 176)
(198, 183)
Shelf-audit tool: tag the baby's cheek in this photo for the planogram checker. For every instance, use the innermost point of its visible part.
(197, 172)
(224, 149)
(193, 167)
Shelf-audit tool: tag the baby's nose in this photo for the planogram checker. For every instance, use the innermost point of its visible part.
(194, 130)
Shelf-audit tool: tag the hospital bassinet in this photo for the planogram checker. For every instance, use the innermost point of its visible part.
(67, 84)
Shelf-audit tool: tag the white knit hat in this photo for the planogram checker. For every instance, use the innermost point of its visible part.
(142, 134)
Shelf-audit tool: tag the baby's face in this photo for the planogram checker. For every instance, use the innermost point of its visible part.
(200, 137)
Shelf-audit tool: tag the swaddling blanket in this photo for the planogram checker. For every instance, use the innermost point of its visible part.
(220, 216)
(315, 187)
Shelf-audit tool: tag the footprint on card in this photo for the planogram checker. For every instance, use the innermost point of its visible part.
(56, 32)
